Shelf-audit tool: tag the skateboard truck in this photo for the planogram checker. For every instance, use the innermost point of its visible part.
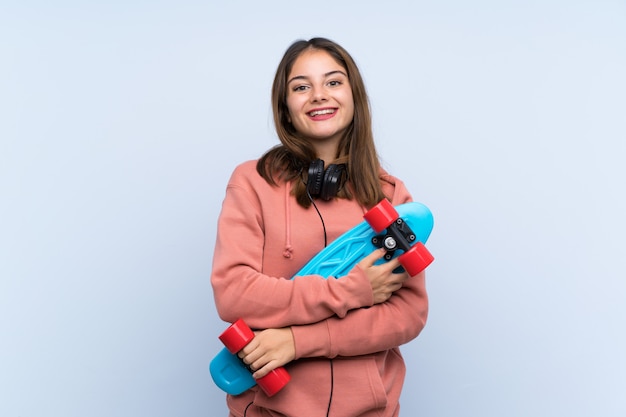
(398, 235)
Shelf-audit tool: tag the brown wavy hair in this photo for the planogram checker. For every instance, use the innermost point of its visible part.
(290, 160)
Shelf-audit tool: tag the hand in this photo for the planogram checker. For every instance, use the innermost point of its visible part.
(383, 280)
(270, 349)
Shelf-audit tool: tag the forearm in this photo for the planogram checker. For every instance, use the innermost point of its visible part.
(367, 330)
(270, 302)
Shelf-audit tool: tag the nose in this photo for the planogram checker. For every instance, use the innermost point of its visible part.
(318, 94)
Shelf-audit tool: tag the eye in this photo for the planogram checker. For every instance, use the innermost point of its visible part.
(300, 88)
(334, 83)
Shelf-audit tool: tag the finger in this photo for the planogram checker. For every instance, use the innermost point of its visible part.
(257, 366)
(250, 358)
(265, 369)
(403, 275)
(392, 264)
(255, 360)
(387, 267)
(370, 259)
(249, 348)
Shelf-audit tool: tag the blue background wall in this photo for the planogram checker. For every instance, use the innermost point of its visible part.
(121, 122)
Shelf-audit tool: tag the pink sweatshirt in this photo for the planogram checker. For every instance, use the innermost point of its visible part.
(264, 237)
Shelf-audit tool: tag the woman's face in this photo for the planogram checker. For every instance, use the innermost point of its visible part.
(319, 99)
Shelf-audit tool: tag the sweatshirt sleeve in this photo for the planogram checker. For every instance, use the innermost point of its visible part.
(363, 331)
(368, 330)
(242, 290)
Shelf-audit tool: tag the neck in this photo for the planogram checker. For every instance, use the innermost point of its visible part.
(326, 151)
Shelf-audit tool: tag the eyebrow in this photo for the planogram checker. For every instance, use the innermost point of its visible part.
(328, 74)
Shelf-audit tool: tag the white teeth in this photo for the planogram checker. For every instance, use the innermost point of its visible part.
(318, 112)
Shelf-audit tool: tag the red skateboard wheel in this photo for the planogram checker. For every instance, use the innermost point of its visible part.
(381, 216)
(237, 336)
(416, 259)
(274, 381)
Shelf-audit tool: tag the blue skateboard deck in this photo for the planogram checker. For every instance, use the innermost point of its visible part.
(414, 222)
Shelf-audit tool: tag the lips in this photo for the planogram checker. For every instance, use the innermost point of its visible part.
(321, 114)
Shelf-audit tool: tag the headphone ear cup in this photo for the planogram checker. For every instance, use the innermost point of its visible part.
(315, 178)
(333, 179)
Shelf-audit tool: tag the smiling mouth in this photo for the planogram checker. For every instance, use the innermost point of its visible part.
(321, 112)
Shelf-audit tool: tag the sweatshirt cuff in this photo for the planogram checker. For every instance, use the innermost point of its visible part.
(359, 285)
(312, 340)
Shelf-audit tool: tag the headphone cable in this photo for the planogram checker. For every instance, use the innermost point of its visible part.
(330, 360)
(320, 216)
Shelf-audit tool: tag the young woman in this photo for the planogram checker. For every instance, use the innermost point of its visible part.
(337, 338)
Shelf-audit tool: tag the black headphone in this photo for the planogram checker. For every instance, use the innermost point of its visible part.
(325, 183)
